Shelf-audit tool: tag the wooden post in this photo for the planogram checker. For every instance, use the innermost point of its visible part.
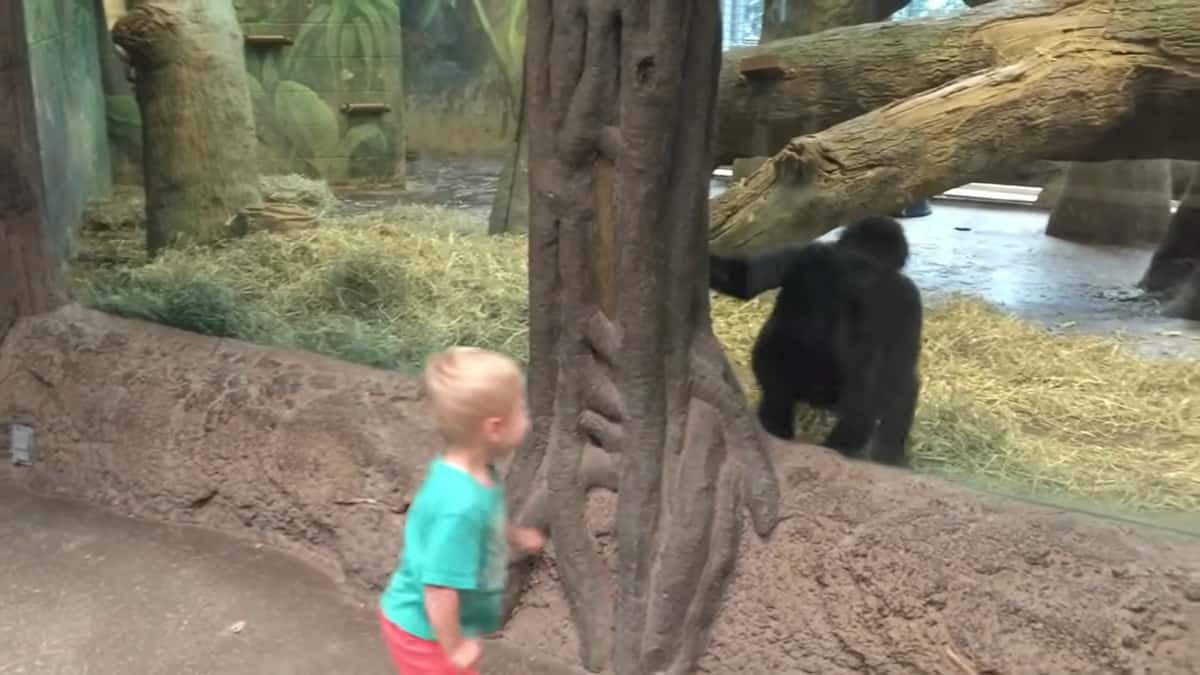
(30, 282)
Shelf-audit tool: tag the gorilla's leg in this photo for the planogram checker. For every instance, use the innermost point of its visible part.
(777, 408)
(897, 419)
(776, 412)
(858, 408)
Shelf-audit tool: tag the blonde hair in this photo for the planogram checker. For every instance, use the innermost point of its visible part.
(466, 385)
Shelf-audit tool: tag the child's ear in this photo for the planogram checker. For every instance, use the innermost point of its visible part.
(491, 426)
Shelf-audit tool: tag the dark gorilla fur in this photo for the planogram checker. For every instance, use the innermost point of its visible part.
(844, 335)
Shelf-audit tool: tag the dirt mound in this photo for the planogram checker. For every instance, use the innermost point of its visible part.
(871, 569)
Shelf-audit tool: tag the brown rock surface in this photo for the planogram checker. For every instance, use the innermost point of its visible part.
(878, 570)
(288, 447)
(871, 570)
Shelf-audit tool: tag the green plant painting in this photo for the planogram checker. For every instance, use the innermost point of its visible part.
(464, 62)
(343, 51)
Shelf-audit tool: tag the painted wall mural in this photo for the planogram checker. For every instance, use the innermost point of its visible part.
(341, 52)
(463, 65)
(62, 39)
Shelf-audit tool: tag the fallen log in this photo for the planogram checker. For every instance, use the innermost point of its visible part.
(1124, 84)
(835, 75)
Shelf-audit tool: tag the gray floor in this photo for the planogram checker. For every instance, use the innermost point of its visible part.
(86, 592)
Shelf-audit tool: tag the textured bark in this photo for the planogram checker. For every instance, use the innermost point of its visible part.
(1135, 62)
(30, 278)
(620, 107)
(1114, 203)
(786, 18)
(197, 121)
(510, 206)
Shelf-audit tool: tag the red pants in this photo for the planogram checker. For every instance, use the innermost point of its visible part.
(414, 656)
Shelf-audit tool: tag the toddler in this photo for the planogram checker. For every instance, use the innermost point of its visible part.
(449, 587)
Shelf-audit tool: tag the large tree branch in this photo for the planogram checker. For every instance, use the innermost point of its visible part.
(838, 74)
(1082, 100)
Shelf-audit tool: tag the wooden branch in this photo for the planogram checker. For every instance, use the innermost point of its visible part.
(996, 120)
(835, 75)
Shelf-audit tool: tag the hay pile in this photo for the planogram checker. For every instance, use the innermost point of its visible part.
(382, 290)
(1002, 399)
(1010, 404)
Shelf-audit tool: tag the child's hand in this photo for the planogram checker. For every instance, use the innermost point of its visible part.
(527, 539)
(466, 654)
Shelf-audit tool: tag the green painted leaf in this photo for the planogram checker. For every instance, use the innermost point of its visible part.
(265, 125)
(124, 121)
(314, 28)
(123, 110)
(308, 122)
(369, 56)
(270, 71)
(359, 138)
(337, 25)
(390, 10)
(378, 27)
(359, 135)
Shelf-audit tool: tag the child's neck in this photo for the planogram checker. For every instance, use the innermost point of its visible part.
(474, 461)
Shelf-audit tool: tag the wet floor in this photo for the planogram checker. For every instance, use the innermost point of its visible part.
(995, 252)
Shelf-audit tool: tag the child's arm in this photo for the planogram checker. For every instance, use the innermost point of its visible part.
(441, 605)
(452, 549)
(526, 539)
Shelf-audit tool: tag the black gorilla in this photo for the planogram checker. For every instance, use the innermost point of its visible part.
(844, 335)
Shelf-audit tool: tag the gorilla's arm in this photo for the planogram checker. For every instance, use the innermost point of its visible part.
(745, 278)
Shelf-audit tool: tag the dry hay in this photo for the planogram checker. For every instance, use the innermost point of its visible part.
(1006, 400)
(1002, 399)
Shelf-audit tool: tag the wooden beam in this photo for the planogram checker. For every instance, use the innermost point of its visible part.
(761, 67)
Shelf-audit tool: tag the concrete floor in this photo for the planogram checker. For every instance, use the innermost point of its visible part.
(87, 592)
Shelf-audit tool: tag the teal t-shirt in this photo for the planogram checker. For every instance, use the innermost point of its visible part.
(453, 537)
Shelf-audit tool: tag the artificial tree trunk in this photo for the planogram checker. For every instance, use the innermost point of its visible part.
(1113, 203)
(1174, 268)
(630, 390)
(510, 205)
(786, 18)
(30, 277)
(1185, 303)
(198, 140)
(1135, 62)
